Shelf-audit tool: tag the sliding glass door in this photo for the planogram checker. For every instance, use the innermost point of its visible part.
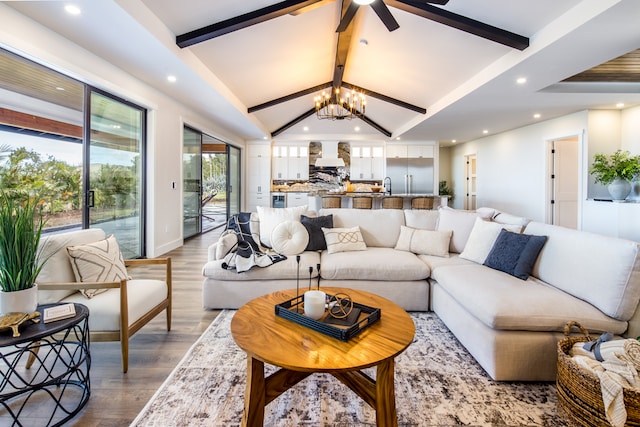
(191, 183)
(233, 181)
(114, 170)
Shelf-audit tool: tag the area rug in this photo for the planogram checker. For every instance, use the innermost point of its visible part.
(438, 383)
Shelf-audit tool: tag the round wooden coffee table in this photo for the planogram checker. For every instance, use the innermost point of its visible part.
(300, 351)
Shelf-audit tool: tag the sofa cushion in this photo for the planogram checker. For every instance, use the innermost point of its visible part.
(604, 271)
(227, 241)
(314, 228)
(508, 219)
(373, 264)
(58, 268)
(515, 253)
(482, 237)
(271, 217)
(289, 238)
(99, 261)
(461, 223)
(379, 227)
(505, 302)
(423, 219)
(424, 242)
(281, 270)
(344, 239)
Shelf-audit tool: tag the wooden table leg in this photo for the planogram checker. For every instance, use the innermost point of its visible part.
(254, 396)
(386, 415)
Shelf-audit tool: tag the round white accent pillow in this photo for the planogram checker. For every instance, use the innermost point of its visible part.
(289, 238)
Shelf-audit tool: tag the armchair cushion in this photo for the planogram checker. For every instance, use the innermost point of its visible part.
(100, 261)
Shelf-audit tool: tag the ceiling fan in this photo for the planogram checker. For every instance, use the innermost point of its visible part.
(382, 10)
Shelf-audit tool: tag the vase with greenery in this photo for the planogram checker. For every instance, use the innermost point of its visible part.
(21, 257)
(445, 190)
(616, 171)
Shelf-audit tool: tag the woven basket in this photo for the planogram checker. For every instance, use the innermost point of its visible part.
(422, 203)
(362, 202)
(579, 395)
(392, 203)
(331, 202)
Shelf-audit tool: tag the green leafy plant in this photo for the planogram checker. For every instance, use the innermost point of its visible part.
(445, 190)
(21, 226)
(621, 164)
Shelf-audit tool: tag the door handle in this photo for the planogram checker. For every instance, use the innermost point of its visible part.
(90, 198)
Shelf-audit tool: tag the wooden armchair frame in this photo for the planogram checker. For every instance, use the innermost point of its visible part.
(126, 330)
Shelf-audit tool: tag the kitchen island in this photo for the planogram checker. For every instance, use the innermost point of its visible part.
(315, 199)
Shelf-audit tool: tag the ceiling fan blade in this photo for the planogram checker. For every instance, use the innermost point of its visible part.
(385, 15)
(348, 17)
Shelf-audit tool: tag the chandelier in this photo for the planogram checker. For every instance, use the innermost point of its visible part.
(335, 106)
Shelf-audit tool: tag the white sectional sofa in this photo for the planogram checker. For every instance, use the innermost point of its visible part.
(510, 325)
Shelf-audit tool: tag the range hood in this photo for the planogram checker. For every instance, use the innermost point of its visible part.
(329, 156)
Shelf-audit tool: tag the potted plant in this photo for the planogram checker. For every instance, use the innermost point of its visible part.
(21, 258)
(616, 171)
(445, 190)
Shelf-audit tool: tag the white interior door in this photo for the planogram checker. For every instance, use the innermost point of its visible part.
(564, 182)
(470, 182)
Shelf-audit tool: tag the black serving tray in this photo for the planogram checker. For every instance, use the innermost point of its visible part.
(288, 310)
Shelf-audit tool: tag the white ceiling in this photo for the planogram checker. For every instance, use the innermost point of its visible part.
(466, 83)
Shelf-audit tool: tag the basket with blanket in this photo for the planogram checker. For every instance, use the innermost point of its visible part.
(597, 381)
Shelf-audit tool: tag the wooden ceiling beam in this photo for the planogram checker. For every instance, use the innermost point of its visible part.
(462, 23)
(386, 98)
(242, 21)
(342, 48)
(293, 122)
(376, 126)
(288, 97)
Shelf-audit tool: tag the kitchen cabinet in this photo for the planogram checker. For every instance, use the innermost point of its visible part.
(297, 199)
(367, 162)
(404, 151)
(290, 162)
(258, 176)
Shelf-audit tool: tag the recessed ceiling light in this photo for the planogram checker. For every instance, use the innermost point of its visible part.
(364, 42)
(306, 128)
(453, 141)
(536, 116)
(362, 2)
(172, 79)
(72, 9)
(521, 80)
(357, 128)
(486, 131)
(620, 104)
(398, 139)
(264, 137)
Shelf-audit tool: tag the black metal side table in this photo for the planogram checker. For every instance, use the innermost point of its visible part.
(45, 368)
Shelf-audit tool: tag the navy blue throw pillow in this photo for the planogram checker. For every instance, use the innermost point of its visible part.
(314, 228)
(515, 253)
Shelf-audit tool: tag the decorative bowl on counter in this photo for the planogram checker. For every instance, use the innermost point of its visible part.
(376, 188)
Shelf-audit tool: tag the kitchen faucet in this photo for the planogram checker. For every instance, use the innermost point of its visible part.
(385, 185)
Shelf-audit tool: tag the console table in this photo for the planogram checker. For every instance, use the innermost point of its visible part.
(45, 369)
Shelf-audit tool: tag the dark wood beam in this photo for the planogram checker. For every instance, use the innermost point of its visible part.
(18, 119)
(239, 22)
(342, 49)
(288, 97)
(386, 98)
(376, 126)
(462, 23)
(293, 122)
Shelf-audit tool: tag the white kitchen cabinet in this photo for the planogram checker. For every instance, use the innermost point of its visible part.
(367, 162)
(290, 162)
(420, 151)
(398, 151)
(297, 199)
(258, 176)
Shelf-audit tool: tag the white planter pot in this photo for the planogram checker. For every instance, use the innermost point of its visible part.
(25, 301)
(619, 189)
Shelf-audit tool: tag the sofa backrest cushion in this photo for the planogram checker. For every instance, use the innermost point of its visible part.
(461, 223)
(271, 217)
(58, 266)
(423, 219)
(604, 271)
(379, 227)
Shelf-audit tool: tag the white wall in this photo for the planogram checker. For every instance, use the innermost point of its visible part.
(166, 118)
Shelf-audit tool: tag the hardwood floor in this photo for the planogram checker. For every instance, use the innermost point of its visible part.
(117, 398)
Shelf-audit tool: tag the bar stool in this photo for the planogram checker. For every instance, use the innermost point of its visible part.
(329, 202)
(422, 203)
(392, 202)
(362, 202)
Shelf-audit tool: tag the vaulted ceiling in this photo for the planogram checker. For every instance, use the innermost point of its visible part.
(247, 76)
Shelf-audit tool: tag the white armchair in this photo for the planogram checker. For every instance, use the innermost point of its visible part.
(121, 307)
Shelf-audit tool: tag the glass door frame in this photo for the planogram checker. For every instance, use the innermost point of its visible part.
(86, 172)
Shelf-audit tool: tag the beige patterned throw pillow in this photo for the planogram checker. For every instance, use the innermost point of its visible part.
(344, 239)
(100, 261)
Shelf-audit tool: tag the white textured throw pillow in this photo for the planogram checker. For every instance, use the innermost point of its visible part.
(271, 217)
(97, 262)
(226, 242)
(461, 223)
(482, 237)
(289, 238)
(424, 242)
(344, 239)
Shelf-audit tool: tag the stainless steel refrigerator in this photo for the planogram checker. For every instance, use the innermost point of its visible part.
(411, 176)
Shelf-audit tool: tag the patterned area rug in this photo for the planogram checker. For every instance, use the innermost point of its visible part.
(438, 383)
